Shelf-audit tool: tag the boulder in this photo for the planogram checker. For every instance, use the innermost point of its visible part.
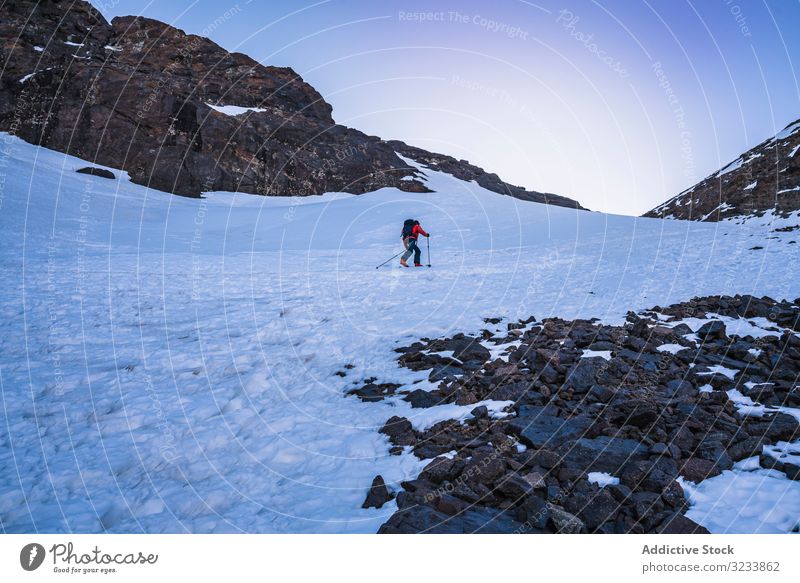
(481, 412)
(678, 524)
(778, 427)
(680, 389)
(696, 469)
(594, 509)
(664, 449)
(99, 172)
(540, 427)
(441, 469)
(544, 458)
(426, 519)
(372, 393)
(484, 468)
(420, 518)
(642, 415)
(480, 520)
(713, 330)
(745, 448)
(564, 522)
(584, 374)
(511, 391)
(443, 372)
(468, 348)
(789, 465)
(451, 505)
(601, 454)
(548, 374)
(378, 494)
(420, 399)
(536, 512)
(602, 393)
(399, 430)
(652, 475)
(516, 486)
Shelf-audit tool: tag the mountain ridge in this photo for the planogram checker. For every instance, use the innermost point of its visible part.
(765, 178)
(181, 114)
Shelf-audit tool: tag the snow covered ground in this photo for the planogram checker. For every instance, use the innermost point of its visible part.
(168, 364)
(745, 500)
(748, 498)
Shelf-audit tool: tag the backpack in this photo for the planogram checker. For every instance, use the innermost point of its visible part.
(408, 227)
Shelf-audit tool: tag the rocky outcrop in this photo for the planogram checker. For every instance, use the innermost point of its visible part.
(176, 111)
(657, 409)
(140, 95)
(463, 170)
(378, 494)
(762, 179)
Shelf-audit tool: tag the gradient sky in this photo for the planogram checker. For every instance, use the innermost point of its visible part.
(618, 104)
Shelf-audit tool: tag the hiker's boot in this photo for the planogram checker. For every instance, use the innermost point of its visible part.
(418, 265)
(403, 263)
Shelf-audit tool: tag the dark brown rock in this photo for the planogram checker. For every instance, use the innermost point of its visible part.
(99, 172)
(399, 430)
(378, 494)
(372, 392)
(764, 178)
(594, 508)
(441, 469)
(655, 428)
(540, 427)
(696, 469)
(465, 171)
(137, 94)
(564, 522)
(678, 524)
(715, 329)
(601, 454)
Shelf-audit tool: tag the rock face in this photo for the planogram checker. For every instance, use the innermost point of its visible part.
(650, 418)
(137, 94)
(762, 179)
(140, 95)
(463, 170)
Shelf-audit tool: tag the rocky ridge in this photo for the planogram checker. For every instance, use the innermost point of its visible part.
(467, 172)
(763, 179)
(602, 424)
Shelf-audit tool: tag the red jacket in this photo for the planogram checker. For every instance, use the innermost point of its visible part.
(416, 232)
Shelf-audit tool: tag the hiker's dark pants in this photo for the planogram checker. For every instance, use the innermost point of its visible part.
(411, 247)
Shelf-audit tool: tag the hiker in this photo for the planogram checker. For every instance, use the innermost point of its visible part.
(411, 230)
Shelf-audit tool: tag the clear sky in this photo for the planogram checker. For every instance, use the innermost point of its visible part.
(620, 104)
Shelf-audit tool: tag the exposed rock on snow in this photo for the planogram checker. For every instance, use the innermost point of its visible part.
(766, 179)
(218, 356)
(168, 108)
(615, 458)
(101, 172)
(463, 170)
(378, 494)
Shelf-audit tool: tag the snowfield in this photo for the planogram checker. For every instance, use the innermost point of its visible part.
(168, 364)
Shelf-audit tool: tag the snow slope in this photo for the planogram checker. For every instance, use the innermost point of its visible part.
(167, 364)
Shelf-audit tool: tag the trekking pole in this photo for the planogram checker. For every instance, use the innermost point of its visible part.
(429, 251)
(387, 261)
